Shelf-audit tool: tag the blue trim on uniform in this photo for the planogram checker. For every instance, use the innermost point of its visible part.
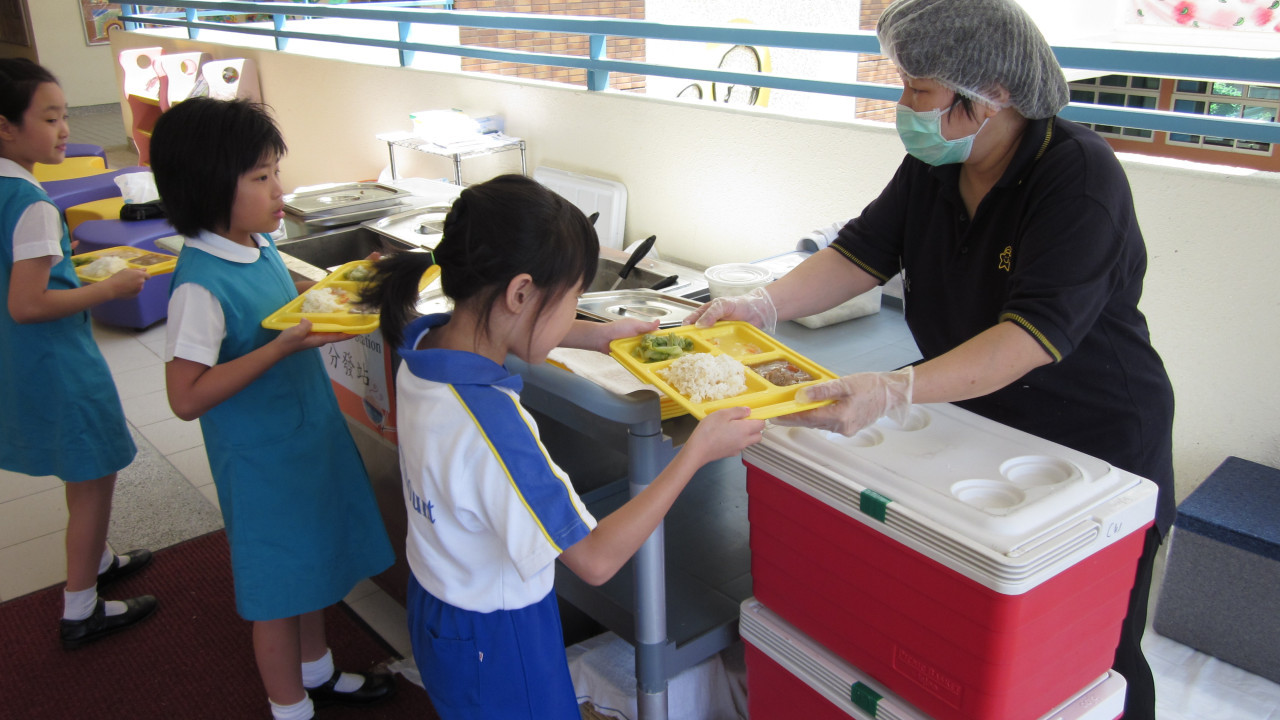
(545, 493)
(451, 367)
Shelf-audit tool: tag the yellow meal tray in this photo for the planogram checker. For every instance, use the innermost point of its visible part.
(352, 323)
(154, 263)
(748, 345)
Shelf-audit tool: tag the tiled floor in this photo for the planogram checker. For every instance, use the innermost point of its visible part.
(1191, 685)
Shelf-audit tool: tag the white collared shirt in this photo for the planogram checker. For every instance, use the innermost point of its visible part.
(38, 232)
(196, 325)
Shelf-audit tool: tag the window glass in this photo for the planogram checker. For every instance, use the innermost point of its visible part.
(1192, 86)
(1105, 98)
(1107, 129)
(1254, 112)
(1137, 132)
(1083, 96)
(1225, 109)
(1264, 92)
(1142, 101)
(1115, 80)
(1253, 145)
(1086, 81)
(1188, 106)
(1228, 89)
(1146, 83)
(1180, 137)
(1219, 141)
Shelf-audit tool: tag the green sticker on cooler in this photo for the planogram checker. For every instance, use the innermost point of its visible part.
(874, 504)
(865, 698)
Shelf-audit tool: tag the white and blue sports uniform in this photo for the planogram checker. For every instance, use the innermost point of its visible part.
(489, 512)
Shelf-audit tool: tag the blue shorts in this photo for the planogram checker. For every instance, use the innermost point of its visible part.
(507, 664)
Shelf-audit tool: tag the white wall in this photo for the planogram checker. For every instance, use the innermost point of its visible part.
(84, 70)
(716, 185)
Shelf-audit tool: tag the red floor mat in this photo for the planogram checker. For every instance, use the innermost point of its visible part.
(192, 659)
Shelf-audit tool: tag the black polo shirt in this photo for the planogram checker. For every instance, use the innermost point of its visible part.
(1055, 248)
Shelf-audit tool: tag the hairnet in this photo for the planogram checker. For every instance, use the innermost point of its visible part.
(975, 47)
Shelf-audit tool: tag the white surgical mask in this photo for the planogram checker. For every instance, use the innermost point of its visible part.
(921, 134)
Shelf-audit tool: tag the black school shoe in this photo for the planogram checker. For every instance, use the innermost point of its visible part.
(138, 559)
(78, 633)
(376, 688)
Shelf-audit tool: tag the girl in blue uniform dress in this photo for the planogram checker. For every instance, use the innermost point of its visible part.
(61, 414)
(489, 511)
(300, 515)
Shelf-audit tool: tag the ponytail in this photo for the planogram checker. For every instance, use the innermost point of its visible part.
(496, 230)
(394, 291)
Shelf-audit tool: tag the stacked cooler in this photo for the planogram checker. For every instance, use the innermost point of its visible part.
(970, 571)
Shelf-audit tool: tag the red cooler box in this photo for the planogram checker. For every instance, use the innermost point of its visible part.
(789, 675)
(979, 572)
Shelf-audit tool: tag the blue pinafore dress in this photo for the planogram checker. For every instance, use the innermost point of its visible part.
(60, 414)
(300, 515)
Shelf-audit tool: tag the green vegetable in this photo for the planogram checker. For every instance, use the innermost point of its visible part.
(359, 272)
(654, 348)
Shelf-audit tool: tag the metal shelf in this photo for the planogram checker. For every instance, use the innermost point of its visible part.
(487, 144)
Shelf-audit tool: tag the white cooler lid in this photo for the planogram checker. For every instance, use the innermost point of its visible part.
(1002, 506)
(841, 683)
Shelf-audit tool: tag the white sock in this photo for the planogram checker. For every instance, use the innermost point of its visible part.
(79, 605)
(107, 557)
(298, 711)
(318, 672)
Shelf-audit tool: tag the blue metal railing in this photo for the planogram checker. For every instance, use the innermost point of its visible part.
(200, 15)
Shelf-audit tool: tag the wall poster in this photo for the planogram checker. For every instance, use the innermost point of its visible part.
(99, 17)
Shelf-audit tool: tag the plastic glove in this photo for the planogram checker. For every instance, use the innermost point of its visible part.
(755, 307)
(860, 400)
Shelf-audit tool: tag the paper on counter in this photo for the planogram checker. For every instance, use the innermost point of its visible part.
(600, 369)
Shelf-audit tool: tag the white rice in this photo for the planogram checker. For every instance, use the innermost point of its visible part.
(703, 377)
(324, 300)
(105, 266)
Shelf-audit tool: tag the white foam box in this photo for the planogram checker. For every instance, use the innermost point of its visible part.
(790, 675)
(976, 571)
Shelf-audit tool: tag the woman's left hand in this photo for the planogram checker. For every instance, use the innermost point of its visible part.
(860, 400)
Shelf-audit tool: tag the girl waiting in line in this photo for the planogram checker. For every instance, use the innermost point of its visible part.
(300, 515)
(61, 413)
(489, 511)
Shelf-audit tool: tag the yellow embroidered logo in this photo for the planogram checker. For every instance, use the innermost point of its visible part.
(1006, 259)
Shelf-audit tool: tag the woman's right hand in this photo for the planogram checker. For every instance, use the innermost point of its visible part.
(756, 307)
(724, 433)
(127, 283)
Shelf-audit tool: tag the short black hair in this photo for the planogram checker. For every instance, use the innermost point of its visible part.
(965, 102)
(199, 149)
(495, 230)
(19, 78)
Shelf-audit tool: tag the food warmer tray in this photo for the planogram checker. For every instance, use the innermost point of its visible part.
(342, 199)
(669, 310)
